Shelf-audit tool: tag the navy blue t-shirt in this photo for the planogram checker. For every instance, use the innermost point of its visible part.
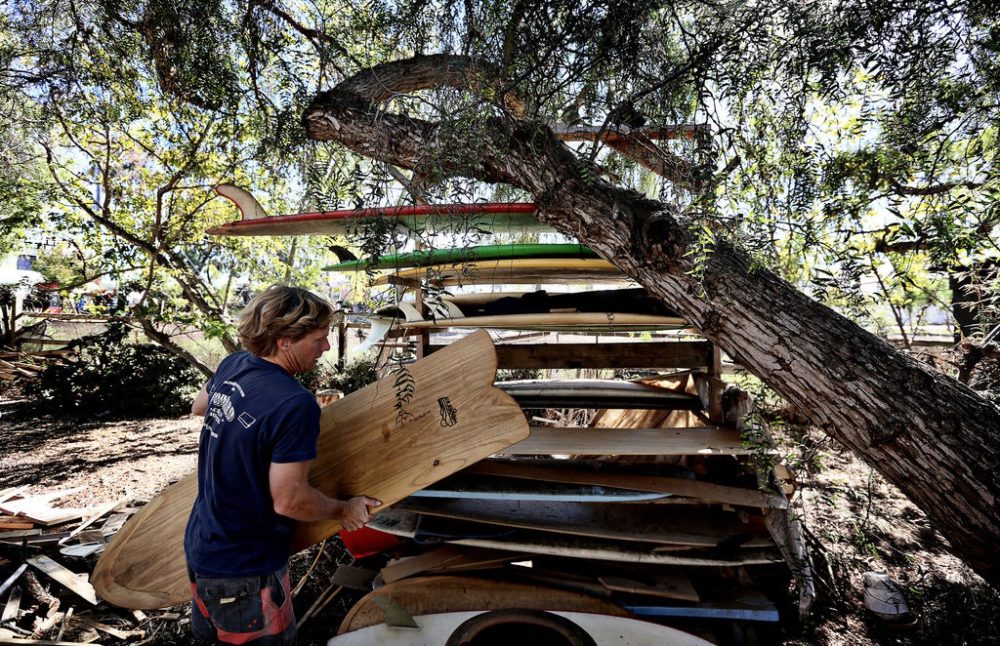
(257, 414)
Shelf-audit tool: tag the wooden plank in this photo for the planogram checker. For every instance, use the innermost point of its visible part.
(682, 354)
(13, 605)
(8, 523)
(39, 509)
(65, 577)
(677, 486)
(631, 441)
(36, 539)
(94, 515)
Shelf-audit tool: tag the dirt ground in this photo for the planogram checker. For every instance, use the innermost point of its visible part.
(854, 521)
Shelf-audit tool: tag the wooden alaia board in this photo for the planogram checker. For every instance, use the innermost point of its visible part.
(387, 440)
(624, 522)
(432, 594)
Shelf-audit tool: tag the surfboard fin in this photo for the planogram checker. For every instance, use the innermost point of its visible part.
(248, 205)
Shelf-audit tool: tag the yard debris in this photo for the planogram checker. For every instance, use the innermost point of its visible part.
(32, 612)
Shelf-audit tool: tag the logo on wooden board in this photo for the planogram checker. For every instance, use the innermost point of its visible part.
(449, 414)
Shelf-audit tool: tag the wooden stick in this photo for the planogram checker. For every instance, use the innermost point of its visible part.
(13, 577)
(333, 590)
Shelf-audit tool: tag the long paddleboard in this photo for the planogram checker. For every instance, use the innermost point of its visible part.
(433, 594)
(477, 253)
(489, 217)
(624, 522)
(435, 630)
(387, 440)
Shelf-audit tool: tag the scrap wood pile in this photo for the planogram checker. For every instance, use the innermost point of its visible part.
(43, 547)
(16, 366)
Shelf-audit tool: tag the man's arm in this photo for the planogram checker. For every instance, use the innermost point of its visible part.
(295, 498)
(200, 404)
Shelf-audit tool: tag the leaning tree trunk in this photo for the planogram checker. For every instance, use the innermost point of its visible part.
(930, 435)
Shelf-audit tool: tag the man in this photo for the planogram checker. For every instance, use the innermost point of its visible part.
(257, 443)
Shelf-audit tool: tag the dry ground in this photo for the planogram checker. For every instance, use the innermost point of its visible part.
(855, 522)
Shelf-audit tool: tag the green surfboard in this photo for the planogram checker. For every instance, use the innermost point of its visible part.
(470, 254)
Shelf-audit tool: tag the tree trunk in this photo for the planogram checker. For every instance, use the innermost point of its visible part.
(930, 435)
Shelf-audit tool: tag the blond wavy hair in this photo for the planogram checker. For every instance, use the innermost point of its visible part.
(281, 312)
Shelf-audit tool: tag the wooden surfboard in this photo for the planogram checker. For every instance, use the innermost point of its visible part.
(575, 321)
(606, 630)
(371, 442)
(490, 217)
(597, 393)
(640, 523)
(468, 486)
(432, 594)
(405, 523)
(477, 253)
(524, 271)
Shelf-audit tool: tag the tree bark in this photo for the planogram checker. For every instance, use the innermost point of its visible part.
(933, 437)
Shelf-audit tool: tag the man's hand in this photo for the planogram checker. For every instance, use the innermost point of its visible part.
(356, 512)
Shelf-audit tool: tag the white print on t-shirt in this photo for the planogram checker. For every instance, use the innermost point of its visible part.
(220, 406)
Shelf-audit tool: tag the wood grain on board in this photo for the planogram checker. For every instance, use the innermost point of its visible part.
(428, 595)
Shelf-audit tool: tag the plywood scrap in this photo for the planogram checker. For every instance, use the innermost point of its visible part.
(65, 577)
(11, 493)
(40, 510)
(15, 523)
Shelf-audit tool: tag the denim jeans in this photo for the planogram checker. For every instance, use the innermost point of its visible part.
(243, 610)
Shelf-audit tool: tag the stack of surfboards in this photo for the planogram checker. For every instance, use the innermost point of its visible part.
(589, 533)
(651, 511)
